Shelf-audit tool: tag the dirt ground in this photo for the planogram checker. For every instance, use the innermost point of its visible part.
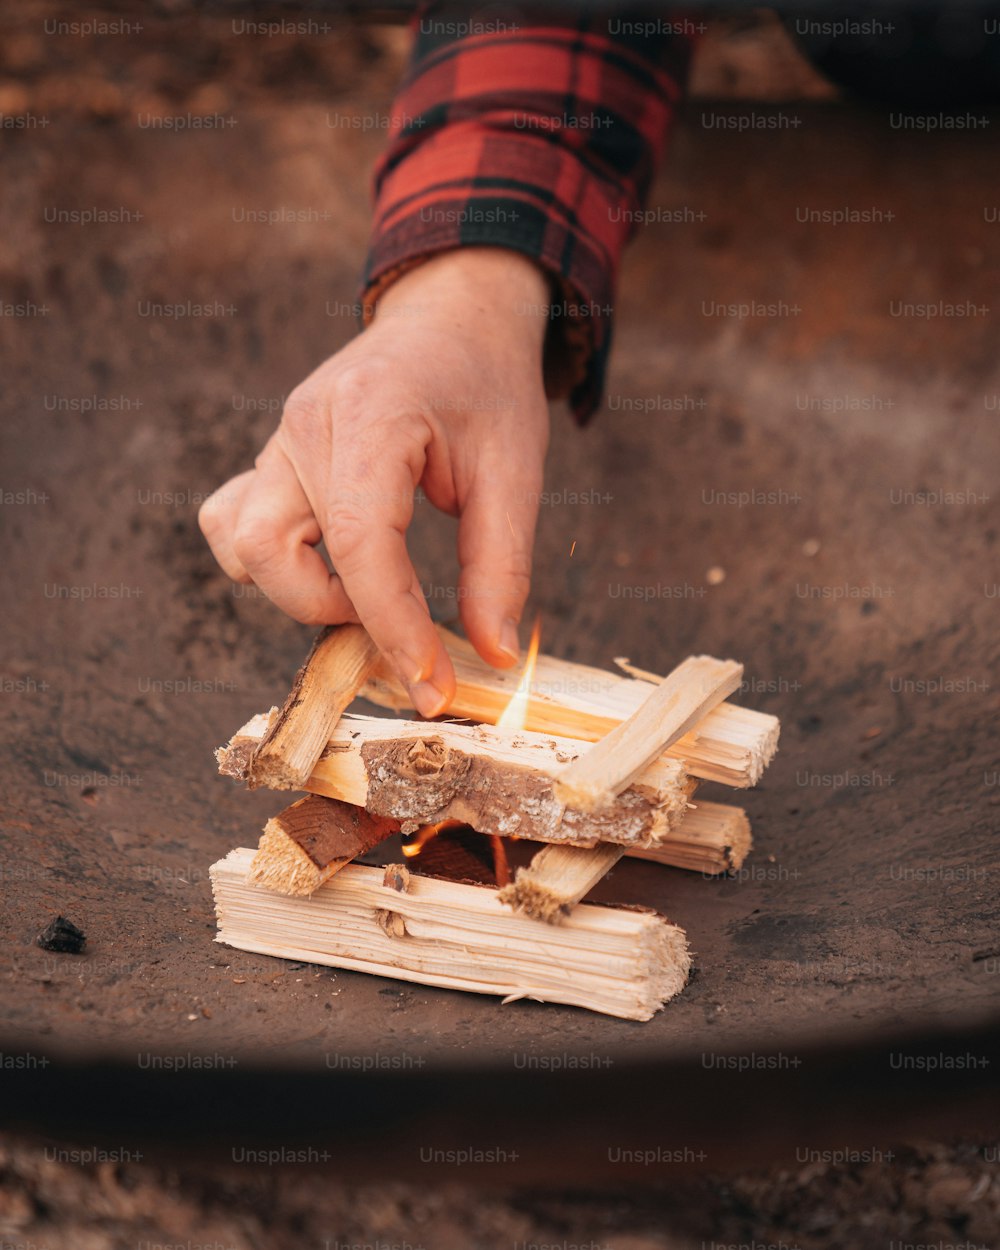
(860, 591)
(921, 1194)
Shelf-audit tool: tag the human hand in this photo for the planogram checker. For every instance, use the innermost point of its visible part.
(443, 390)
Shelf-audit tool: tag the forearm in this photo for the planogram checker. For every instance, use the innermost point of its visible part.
(542, 142)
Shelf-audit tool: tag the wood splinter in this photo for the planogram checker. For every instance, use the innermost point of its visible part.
(713, 839)
(557, 879)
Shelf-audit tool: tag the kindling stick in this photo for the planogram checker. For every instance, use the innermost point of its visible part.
(732, 745)
(681, 700)
(559, 877)
(335, 670)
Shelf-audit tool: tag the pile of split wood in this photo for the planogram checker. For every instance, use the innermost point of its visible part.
(606, 765)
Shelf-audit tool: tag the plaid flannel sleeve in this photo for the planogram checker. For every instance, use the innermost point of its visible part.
(541, 137)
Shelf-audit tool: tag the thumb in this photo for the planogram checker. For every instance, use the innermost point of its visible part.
(496, 534)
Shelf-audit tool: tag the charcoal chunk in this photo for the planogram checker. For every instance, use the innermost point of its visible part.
(62, 936)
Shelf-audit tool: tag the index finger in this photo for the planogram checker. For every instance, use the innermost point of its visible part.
(364, 525)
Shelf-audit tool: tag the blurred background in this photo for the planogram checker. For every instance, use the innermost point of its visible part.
(220, 156)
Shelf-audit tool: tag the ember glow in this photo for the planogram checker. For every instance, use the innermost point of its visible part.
(501, 869)
(515, 714)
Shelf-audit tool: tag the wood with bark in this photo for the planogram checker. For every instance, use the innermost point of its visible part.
(296, 856)
(500, 782)
(335, 670)
(681, 701)
(311, 840)
(732, 745)
(624, 962)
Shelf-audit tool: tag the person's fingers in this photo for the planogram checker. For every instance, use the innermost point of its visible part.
(275, 539)
(495, 539)
(217, 521)
(365, 519)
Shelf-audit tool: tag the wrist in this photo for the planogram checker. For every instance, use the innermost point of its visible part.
(462, 287)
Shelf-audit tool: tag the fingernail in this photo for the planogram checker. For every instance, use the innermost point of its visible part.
(508, 642)
(427, 699)
(411, 671)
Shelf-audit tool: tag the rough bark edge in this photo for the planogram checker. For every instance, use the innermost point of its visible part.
(423, 781)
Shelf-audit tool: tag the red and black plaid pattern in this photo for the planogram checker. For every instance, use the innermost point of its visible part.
(541, 137)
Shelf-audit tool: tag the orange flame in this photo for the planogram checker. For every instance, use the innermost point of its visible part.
(420, 839)
(501, 868)
(515, 714)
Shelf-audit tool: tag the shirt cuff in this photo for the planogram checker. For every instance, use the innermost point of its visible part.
(512, 208)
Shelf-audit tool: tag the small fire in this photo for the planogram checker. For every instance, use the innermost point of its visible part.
(420, 839)
(515, 714)
(501, 869)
